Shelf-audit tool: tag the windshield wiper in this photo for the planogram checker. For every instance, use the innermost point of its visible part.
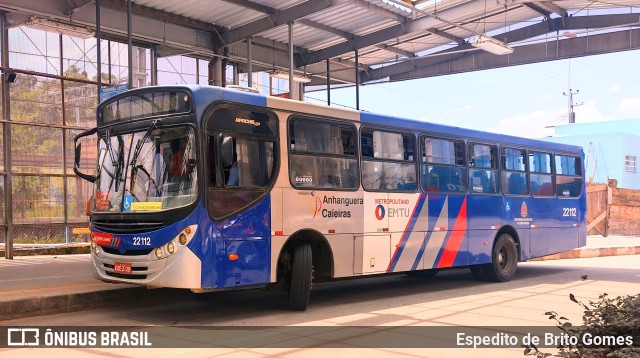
(134, 168)
(116, 158)
(119, 163)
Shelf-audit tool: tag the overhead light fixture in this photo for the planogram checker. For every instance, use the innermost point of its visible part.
(59, 27)
(489, 44)
(283, 75)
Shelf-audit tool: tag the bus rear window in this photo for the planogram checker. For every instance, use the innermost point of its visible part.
(568, 176)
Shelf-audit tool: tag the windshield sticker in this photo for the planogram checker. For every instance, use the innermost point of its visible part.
(102, 200)
(146, 206)
(126, 206)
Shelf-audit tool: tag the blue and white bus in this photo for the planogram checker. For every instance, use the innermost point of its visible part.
(209, 189)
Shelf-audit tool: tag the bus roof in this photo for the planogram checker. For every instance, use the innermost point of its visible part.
(203, 95)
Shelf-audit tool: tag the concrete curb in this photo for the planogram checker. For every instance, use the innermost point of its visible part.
(49, 250)
(79, 301)
(65, 303)
(585, 252)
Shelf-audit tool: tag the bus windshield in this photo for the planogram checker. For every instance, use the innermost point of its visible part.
(148, 170)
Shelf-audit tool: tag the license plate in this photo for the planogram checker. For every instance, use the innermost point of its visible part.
(122, 267)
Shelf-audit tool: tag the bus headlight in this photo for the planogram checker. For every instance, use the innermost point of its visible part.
(171, 248)
(187, 234)
(158, 252)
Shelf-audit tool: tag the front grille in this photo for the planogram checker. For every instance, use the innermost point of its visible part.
(121, 275)
(113, 251)
(126, 226)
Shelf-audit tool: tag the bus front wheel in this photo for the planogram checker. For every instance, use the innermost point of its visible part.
(301, 276)
(504, 260)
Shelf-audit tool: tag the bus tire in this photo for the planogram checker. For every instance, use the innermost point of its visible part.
(301, 276)
(504, 260)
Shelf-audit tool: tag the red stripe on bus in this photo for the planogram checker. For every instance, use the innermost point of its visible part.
(457, 234)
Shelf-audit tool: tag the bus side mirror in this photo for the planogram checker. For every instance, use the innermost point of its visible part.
(78, 156)
(78, 152)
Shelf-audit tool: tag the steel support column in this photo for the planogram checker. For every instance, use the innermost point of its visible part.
(129, 45)
(65, 189)
(98, 47)
(6, 126)
(357, 82)
(249, 64)
(291, 60)
(328, 83)
(154, 65)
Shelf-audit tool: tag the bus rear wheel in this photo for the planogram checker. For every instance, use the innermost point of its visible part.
(504, 260)
(301, 277)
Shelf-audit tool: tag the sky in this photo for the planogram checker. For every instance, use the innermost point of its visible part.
(524, 100)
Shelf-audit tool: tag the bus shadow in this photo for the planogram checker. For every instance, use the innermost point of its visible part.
(263, 307)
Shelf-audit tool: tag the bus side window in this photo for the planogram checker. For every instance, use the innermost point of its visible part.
(568, 176)
(514, 176)
(212, 161)
(229, 156)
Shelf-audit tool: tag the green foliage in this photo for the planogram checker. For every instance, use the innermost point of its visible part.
(607, 317)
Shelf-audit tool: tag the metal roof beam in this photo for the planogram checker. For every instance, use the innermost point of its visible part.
(77, 5)
(150, 26)
(151, 13)
(538, 9)
(539, 52)
(253, 6)
(379, 10)
(269, 55)
(349, 36)
(409, 26)
(555, 8)
(446, 35)
(276, 19)
(325, 28)
(397, 51)
(570, 23)
(316, 25)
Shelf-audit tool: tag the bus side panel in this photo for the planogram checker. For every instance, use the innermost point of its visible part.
(246, 235)
(454, 251)
(582, 233)
(399, 214)
(554, 225)
(445, 244)
(515, 213)
(330, 213)
(484, 222)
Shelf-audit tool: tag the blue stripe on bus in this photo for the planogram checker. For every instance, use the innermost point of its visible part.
(247, 234)
(407, 232)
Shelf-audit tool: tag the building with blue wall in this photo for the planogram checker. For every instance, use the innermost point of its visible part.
(612, 149)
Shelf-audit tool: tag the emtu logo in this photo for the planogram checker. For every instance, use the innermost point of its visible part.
(315, 205)
(380, 212)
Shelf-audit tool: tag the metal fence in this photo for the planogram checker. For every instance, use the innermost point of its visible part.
(53, 98)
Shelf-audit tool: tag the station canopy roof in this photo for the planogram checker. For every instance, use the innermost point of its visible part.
(395, 39)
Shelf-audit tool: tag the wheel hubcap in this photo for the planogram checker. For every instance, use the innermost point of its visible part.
(501, 259)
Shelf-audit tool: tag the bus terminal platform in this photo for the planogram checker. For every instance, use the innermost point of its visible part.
(42, 280)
